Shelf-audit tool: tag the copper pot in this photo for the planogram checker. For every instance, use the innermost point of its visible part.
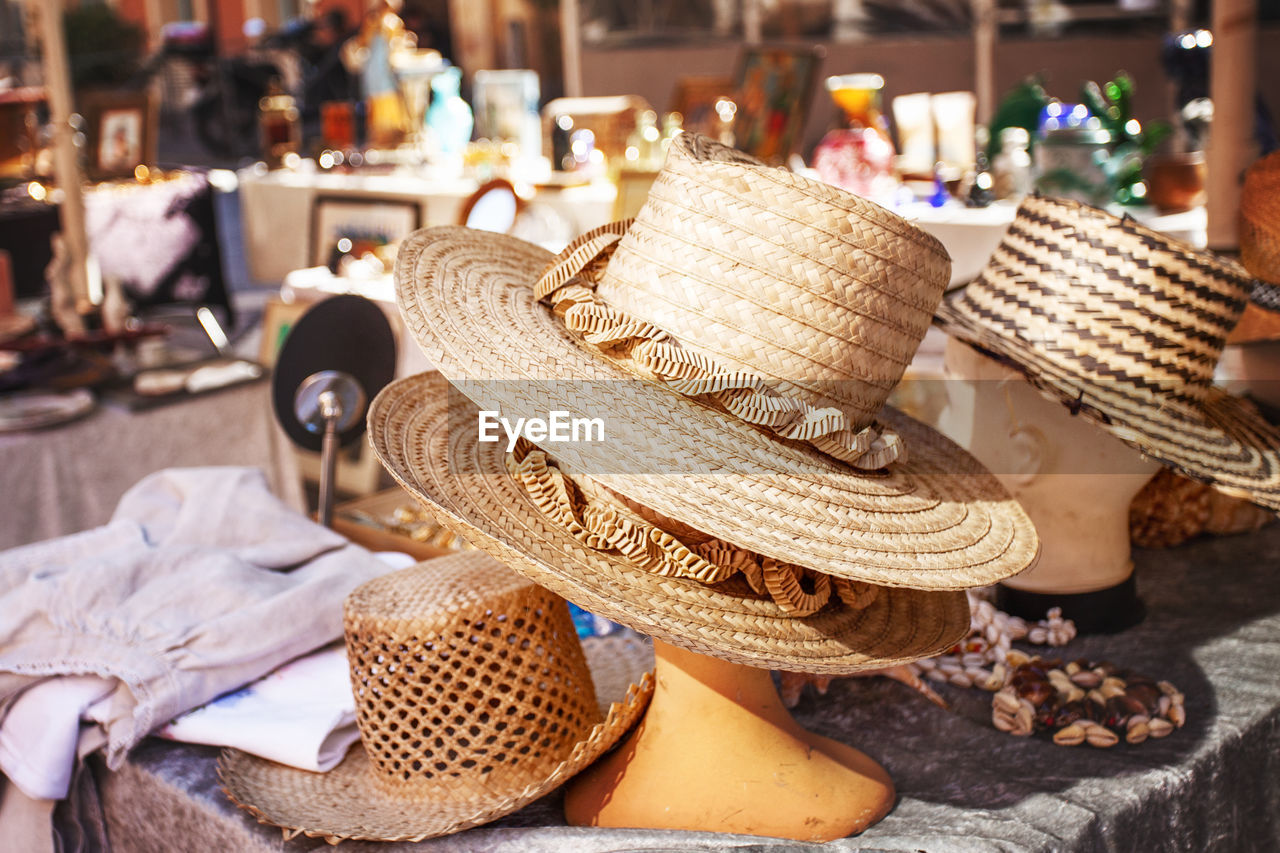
(1176, 182)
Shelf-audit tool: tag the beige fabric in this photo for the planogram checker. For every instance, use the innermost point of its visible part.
(202, 582)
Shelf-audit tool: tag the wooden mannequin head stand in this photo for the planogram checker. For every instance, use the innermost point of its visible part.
(1074, 480)
(1250, 362)
(716, 751)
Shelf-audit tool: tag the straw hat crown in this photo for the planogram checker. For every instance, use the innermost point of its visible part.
(823, 294)
(1108, 299)
(475, 671)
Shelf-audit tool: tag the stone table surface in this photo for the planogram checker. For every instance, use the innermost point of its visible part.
(1213, 629)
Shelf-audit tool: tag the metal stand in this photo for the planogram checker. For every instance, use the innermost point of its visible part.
(327, 403)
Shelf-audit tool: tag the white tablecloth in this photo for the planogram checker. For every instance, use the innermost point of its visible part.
(276, 208)
(69, 478)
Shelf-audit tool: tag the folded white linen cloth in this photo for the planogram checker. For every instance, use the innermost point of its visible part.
(201, 582)
(40, 737)
(303, 714)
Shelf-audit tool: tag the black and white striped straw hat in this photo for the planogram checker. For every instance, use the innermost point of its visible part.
(1124, 326)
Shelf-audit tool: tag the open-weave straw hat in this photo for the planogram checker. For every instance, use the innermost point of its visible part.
(473, 489)
(473, 698)
(738, 340)
(1124, 326)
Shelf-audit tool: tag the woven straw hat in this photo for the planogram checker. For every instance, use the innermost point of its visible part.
(738, 340)
(1124, 326)
(473, 698)
(1260, 250)
(1260, 228)
(472, 489)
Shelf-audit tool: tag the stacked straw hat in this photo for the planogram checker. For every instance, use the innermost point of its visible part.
(1260, 250)
(473, 698)
(1260, 228)
(748, 495)
(1124, 326)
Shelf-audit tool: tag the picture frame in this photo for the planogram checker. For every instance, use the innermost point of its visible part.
(369, 222)
(695, 96)
(774, 87)
(120, 133)
(505, 102)
(633, 189)
(278, 318)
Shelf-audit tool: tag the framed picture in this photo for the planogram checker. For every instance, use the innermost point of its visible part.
(774, 86)
(355, 225)
(633, 188)
(695, 99)
(120, 133)
(506, 108)
(278, 318)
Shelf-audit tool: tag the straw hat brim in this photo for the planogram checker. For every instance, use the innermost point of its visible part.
(938, 521)
(466, 485)
(1220, 440)
(346, 803)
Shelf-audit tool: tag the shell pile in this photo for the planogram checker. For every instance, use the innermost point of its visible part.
(980, 660)
(977, 661)
(1082, 702)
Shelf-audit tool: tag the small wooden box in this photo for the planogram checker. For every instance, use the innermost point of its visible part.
(359, 520)
(611, 118)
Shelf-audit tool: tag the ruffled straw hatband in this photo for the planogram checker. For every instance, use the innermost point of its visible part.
(473, 699)
(738, 339)
(1124, 326)
(612, 557)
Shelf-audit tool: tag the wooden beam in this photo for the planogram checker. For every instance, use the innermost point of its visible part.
(985, 31)
(571, 47)
(66, 158)
(1232, 87)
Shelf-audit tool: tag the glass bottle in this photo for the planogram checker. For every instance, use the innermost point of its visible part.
(1011, 168)
(449, 117)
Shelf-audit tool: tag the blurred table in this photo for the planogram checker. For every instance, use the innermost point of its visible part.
(305, 287)
(1213, 629)
(277, 208)
(68, 478)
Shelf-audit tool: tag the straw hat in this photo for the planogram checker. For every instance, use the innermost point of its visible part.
(1260, 228)
(1260, 250)
(737, 340)
(473, 698)
(1124, 326)
(429, 444)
